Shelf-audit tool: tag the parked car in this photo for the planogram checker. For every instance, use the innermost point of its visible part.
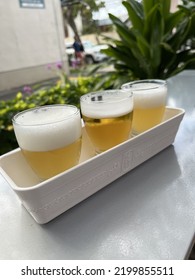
(92, 52)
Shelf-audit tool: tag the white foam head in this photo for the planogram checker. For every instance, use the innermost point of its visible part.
(106, 104)
(147, 93)
(48, 127)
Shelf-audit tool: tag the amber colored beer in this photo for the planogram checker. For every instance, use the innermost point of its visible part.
(149, 103)
(49, 138)
(108, 118)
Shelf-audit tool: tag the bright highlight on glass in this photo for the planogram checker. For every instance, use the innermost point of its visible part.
(108, 117)
(149, 103)
(49, 137)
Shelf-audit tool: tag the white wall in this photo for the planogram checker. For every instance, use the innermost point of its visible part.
(30, 40)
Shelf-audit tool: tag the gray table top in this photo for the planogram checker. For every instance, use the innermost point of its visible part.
(149, 213)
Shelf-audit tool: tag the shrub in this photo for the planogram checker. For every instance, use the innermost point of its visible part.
(154, 42)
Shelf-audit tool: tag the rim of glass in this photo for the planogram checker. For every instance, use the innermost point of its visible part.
(156, 84)
(14, 119)
(84, 98)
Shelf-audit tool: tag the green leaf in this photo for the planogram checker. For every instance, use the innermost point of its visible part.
(154, 23)
(122, 29)
(148, 5)
(178, 38)
(125, 55)
(192, 27)
(181, 67)
(171, 21)
(166, 5)
(129, 40)
(148, 21)
(156, 39)
(142, 43)
(167, 47)
(135, 13)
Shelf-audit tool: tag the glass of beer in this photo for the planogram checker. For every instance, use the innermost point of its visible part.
(49, 138)
(108, 117)
(149, 103)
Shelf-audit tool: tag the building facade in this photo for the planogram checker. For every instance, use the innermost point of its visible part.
(32, 37)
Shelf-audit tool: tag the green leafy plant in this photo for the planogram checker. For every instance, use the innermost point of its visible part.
(153, 43)
(66, 91)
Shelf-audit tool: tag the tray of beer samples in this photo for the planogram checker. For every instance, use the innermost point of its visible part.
(47, 199)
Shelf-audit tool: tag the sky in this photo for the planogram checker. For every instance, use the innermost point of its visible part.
(114, 7)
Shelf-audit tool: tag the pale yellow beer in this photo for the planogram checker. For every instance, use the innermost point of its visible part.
(49, 163)
(49, 138)
(149, 103)
(108, 118)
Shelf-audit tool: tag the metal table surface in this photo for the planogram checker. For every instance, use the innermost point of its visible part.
(149, 213)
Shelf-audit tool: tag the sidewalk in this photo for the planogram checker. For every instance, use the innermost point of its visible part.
(11, 93)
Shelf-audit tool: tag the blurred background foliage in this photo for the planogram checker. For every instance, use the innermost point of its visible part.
(153, 42)
(66, 91)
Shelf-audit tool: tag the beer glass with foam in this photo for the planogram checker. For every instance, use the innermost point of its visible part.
(149, 103)
(49, 138)
(108, 117)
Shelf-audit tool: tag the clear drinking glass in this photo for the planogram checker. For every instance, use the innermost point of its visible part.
(149, 103)
(49, 138)
(108, 117)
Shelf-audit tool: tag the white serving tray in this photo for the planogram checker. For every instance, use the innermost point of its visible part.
(48, 199)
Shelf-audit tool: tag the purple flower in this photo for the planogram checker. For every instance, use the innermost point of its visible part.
(59, 65)
(27, 89)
